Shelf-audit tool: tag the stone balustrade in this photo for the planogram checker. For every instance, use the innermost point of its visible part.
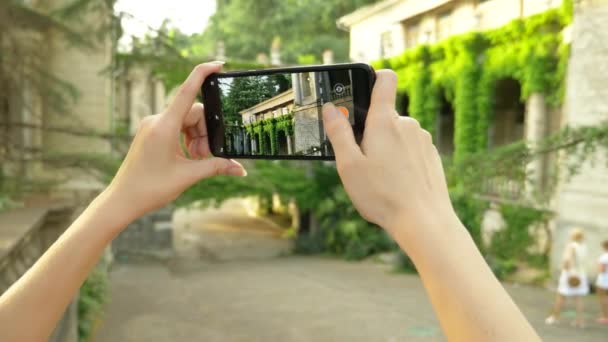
(25, 234)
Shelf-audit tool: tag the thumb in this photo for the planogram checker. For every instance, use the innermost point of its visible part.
(200, 169)
(340, 132)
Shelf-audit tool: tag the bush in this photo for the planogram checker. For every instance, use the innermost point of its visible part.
(502, 268)
(93, 294)
(405, 264)
(514, 240)
(470, 211)
(342, 231)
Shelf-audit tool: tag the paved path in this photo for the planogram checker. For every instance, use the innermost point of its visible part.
(287, 299)
(230, 232)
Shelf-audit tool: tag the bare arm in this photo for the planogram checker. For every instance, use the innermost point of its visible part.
(153, 173)
(396, 180)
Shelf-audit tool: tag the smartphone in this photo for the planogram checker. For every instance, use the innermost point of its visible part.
(277, 113)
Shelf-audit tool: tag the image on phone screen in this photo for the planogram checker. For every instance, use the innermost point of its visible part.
(281, 114)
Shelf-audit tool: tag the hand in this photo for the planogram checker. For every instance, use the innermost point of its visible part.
(396, 175)
(155, 170)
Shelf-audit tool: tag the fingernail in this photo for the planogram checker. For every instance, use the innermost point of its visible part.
(236, 169)
(329, 111)
(235, 163)
(218, 62)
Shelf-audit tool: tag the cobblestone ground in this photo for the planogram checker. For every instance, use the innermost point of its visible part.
(289, 299)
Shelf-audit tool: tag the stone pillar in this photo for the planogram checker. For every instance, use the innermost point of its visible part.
(220, 53)
(328, 57)
(275, 52)
(289, 148)
(536, 130)
(583, 199)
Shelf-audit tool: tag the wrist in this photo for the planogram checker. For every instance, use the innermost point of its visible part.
(115, 210)
(428, 232)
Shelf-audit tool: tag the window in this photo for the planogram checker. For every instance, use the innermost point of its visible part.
(444, 25)
(386, 44)
(412, 35)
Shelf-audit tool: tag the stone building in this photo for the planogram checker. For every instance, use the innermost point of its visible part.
(301, 105)
(583, 200)
(390, 27)
(106, 103)
(138, 93)
(34, 125)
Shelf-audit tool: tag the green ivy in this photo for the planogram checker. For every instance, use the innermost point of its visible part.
(512, 242)
(466, 68)
(93, 295)
(267, 131)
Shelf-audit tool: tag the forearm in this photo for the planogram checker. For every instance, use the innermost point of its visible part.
(31, 308)
(469, 301)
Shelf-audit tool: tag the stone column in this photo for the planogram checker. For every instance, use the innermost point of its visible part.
(536, 130)
(582, 200)
(289, 148)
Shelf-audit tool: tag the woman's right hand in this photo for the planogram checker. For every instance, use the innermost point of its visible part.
(396, 175)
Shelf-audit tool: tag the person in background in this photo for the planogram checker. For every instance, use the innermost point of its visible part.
(573, 282)
(602, 284)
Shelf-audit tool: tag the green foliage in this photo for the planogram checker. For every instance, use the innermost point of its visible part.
(93, 294)
(405, 264)
(307, 59)
(502, 268)
(304, 27)
(267, 132)
(513, 242)
(342, 231)
(245, 92)
(466, 68)
(470, 212)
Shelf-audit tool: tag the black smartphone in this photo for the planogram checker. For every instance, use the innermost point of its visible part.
(277, 113)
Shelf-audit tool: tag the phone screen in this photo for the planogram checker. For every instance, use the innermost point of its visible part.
(280, 114)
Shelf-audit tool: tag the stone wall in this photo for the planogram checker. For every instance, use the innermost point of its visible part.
(583, 201)
(307, 133)
(149, 236)
(463, 16)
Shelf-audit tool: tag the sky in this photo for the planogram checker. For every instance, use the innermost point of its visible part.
(189, 16)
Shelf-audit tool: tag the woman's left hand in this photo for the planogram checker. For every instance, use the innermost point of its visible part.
(155, 170)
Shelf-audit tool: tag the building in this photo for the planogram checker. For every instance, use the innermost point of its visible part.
(58, 96)
(300, 108)
(387, 29)
(71, 109)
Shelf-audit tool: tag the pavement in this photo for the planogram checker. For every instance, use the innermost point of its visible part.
(290, 299)
(232, 280)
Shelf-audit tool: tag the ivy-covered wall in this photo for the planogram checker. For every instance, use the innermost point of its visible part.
(266, 132)
(466, 68)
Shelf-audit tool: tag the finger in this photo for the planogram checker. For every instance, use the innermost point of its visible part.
(384, 95)
(196, 170)
(340, 133)
(195, 129)
(189, 90)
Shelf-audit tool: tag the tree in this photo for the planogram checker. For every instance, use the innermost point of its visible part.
(245, 92)
(305, 27)
(25, 31)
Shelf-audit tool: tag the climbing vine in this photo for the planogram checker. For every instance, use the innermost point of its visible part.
(266, 132)
(465, 70)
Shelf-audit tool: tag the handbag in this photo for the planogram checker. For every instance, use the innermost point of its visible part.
(574, 280)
